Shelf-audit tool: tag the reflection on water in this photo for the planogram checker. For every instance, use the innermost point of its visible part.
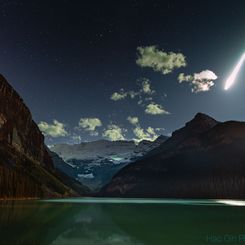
(231, 202)
(37, 222)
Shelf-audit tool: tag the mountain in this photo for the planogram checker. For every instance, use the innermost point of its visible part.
(94, 163)
(204, 159)
(26, 169)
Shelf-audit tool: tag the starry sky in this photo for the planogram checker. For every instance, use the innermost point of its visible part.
(122, 69)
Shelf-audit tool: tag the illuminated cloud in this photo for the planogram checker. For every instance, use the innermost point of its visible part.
(151, 130)
(90, 124)
(155, 109)
(123, 95)
(133, 120)
(158, 60)
(146, 87)
(200, 82)
(114, 132)
(118, 96)
(182, 78)
(55, 129)
(141, 134)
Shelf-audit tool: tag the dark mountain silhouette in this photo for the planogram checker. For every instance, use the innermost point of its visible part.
(26, 169)
(204, 159)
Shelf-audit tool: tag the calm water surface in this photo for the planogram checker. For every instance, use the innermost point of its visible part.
(122, 221)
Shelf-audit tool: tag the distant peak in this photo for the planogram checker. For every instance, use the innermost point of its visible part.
(201, 116)
(202, 120)
(199, 124)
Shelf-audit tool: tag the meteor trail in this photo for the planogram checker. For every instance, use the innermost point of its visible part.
(232, 77)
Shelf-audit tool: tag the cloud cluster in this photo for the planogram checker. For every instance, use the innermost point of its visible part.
(155, 109)
(144, 95)
(145, 89)
(200, 82)
(55, 129)
(89, 124)
(149, 57)
(158, 60)
(114, 132)
(141, 134)
(123, 95)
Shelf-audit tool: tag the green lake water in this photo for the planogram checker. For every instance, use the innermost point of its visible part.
(86, 221)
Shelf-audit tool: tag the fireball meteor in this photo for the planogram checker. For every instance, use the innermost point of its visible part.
(231, 79)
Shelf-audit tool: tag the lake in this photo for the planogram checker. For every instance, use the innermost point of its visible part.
(105, 221)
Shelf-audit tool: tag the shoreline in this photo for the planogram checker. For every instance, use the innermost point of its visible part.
(20, 199)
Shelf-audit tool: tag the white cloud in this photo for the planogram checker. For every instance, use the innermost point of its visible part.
(158, 60)
(123, 95)
(55, 129)
(114, 132)
(200, 82)
(155, 109)
(119, 96)
(146, 87)
(182, 77)
(141, 134)
(205, 75)
(150, 130)
(133, 120)
(90, 124)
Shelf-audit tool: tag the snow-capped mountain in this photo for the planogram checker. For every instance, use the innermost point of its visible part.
(95, 163)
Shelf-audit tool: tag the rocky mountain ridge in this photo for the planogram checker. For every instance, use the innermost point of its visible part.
(26, 169)
(204, 159)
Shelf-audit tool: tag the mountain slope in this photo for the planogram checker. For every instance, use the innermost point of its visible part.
(26, 169)
(95, 163)
(204, 159)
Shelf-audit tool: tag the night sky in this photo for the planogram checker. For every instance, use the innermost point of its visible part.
(68, 58)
